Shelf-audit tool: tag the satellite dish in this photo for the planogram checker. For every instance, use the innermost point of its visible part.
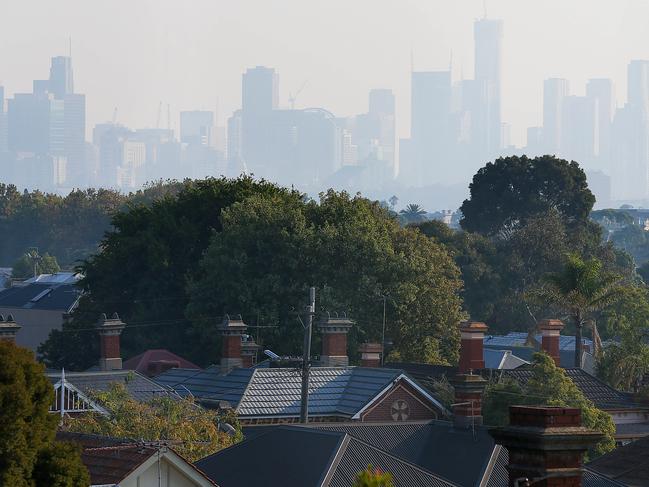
(271, 355)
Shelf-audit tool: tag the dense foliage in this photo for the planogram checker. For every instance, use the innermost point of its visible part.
(191, 430)
(251, 248)
(67, 227)
(29, 456)
(506, 193)
(549, 386)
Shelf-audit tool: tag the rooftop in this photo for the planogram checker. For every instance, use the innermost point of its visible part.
(41, 296)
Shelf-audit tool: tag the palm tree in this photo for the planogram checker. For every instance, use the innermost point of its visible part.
(582, 287)
(413, 213)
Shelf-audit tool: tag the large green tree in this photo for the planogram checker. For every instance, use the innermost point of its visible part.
(272, 248)
(31, 264)
(29, 456)
(506, 193)
(141, 271)
(549, 385)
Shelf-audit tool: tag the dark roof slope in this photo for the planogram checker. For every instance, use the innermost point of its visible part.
(61, 297)
(600, 393)
(289, 456)
(627, 464)
(459, 455)
(139, 387)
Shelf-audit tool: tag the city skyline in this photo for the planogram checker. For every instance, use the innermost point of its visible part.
(191, 58)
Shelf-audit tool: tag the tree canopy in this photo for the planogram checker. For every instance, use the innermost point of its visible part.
(506, 193)
(191, 430)
(373, 477)
(29, 456)
(272, 248)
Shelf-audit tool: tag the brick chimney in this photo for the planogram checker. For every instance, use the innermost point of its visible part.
(467, 406)
(109, 332)
(8, 329)
(550, 335)
(334, 341)
(249, 351)
(231, 330)
(471, 346)
(370, 354)
(546, 445)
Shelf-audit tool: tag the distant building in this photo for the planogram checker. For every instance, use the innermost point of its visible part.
(555, 91)
(196, 127)
(488, 34)
(40, 305)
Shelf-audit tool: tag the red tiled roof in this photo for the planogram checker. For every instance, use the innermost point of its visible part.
(141, 363)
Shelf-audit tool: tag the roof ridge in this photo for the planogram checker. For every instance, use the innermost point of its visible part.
(403, 460)
(335, 460)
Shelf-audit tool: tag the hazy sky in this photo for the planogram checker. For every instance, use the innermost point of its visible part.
(132, 54)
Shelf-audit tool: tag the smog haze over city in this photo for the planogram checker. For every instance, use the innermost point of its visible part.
(405, 98)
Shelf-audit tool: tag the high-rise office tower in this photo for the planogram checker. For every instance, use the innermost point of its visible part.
(3, 122)
(578, 130)
(631, 136)
(61, 82)
(600, 91)
(382, 107)
(260, 94)
(429, 127)
(488, 34)
(555, 91)
(196, 127)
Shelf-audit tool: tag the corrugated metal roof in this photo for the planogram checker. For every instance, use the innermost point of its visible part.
(62, 297)
(290, 456)
(518, 339)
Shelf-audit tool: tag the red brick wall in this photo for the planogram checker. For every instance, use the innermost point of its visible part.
(109, 346)
(334, 344)
(231, 347)
(550, 344)
(419, 407)
(471, 354)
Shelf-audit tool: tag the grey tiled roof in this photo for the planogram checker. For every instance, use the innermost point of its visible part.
(267, 392)
(627, 464)
(138, 386)
(600, 393)
(289, 456)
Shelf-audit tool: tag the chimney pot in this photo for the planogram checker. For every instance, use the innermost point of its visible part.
(550, 336)
(9, 329)
(249, 351)
(334, 341)
(371, 354)
(545, 443)
(471, 346)
(109, 333)
(231, 330)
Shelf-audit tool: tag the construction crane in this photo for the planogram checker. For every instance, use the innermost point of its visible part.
(292, 98)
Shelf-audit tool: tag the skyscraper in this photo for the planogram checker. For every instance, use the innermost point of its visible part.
(578, 130)
(555, 90)
(3, 122)
(429, 128)
(600, 91)
(488, 34)
(260, 94)
(60, 82)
